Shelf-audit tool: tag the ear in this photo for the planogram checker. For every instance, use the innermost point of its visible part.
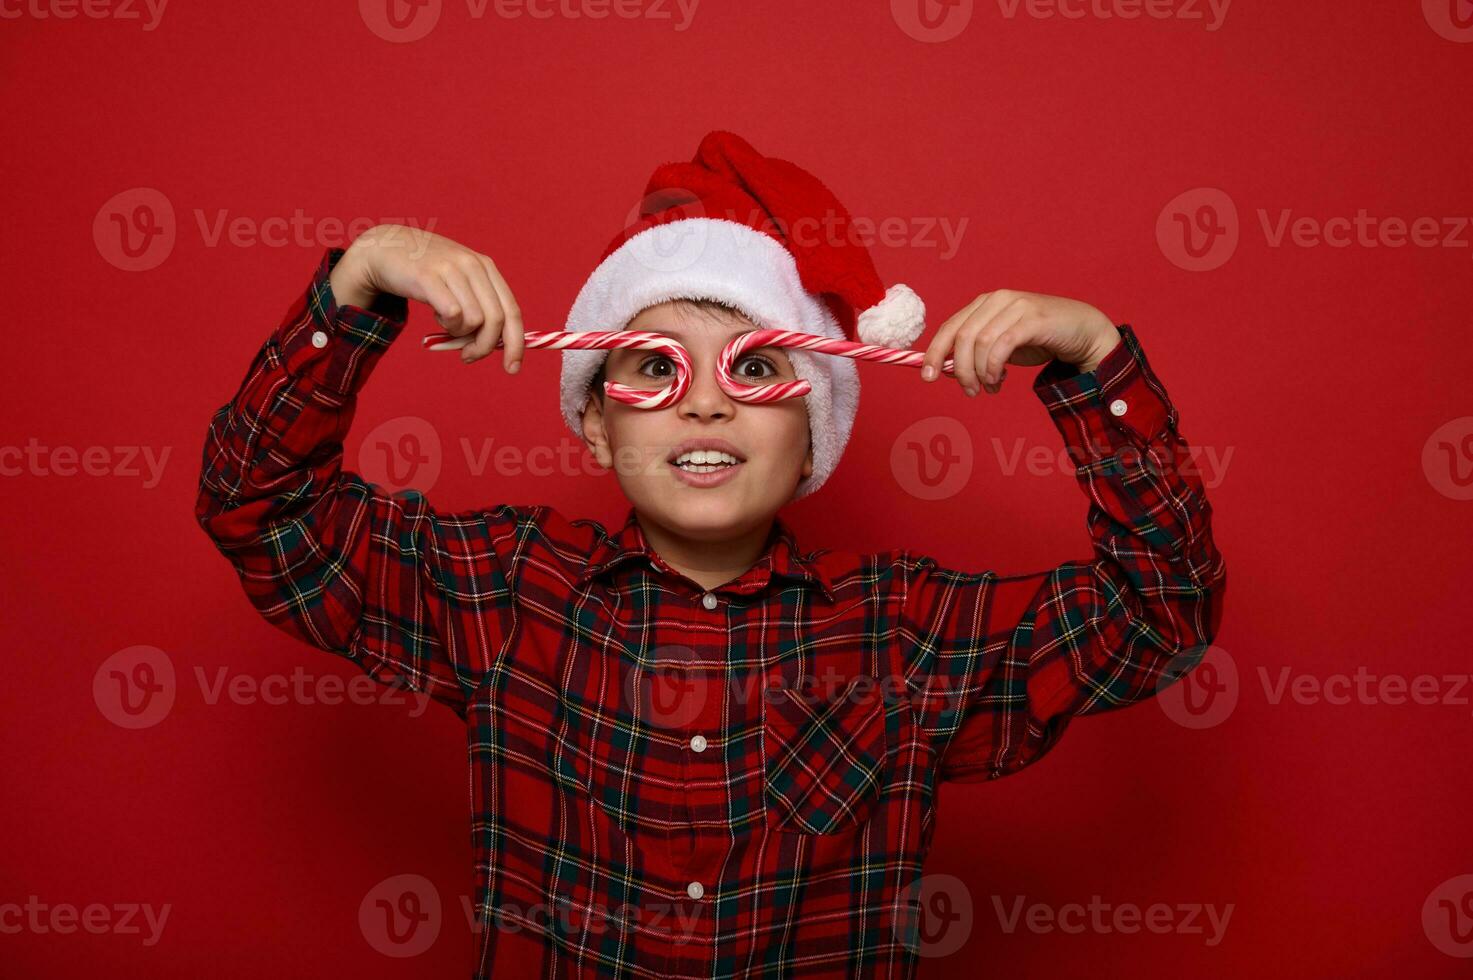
(808, 462)
(594, 433)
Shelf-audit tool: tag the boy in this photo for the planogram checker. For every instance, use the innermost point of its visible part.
(696, 749)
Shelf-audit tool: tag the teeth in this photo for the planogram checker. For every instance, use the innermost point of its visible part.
(705, 458)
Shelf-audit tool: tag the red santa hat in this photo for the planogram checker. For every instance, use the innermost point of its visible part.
(768, 238)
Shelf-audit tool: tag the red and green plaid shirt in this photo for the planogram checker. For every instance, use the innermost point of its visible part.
(671, 781)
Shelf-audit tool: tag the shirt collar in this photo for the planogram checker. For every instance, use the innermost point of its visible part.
(780, 558)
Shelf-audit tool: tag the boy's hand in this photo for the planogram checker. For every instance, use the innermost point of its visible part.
(1013, 327)
(463, 287)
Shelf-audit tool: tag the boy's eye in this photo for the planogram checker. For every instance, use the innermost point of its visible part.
(743, 372)
(663, 367)
(667, 365)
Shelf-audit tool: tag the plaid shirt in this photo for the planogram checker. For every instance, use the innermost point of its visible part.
(671, 781)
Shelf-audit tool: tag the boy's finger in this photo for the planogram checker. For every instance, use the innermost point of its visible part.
(997, 355)
(490, 332)
(443, 302)
(965, 354)
(983, 324)
(473, 320)
(940, 345)
(512, 343)
(1003, 337)
(934, 355)
(470, 311)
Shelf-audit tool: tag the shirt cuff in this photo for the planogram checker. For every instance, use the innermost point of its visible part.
(337, 346)
(1120, 403)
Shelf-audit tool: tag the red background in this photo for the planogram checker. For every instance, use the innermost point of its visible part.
(1062, 142)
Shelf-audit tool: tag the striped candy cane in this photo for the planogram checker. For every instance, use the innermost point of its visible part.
(741, 390)
(602, 340)
(760, 393)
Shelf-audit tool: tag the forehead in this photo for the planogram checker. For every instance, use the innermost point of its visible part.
(689, 324)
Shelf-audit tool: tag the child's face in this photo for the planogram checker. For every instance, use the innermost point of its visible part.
(638, 444)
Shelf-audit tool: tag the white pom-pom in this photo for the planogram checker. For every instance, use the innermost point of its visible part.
(895, 321)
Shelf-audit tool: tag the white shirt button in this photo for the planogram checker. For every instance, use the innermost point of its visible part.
(709, 600)
(1117, 407)
(319, 339)
(698, 743)
(695, 889)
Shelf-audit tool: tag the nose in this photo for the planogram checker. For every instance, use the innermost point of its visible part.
(705, 398)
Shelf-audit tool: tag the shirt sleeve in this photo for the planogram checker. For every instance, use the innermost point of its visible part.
(998, 665)
(412, 596)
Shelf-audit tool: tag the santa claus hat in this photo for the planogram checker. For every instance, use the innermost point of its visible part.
(768, 238)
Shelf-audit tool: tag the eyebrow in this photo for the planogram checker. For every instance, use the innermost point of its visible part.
(681, 333)
(636, 352)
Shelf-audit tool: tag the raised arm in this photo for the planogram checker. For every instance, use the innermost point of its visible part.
(998, 665)
(412, 596)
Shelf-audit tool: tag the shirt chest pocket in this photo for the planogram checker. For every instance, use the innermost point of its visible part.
(824, 758)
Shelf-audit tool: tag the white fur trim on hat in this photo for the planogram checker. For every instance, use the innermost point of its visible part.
(712, 258)
(895, 321)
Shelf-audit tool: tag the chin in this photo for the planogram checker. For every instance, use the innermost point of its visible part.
(702, 516)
